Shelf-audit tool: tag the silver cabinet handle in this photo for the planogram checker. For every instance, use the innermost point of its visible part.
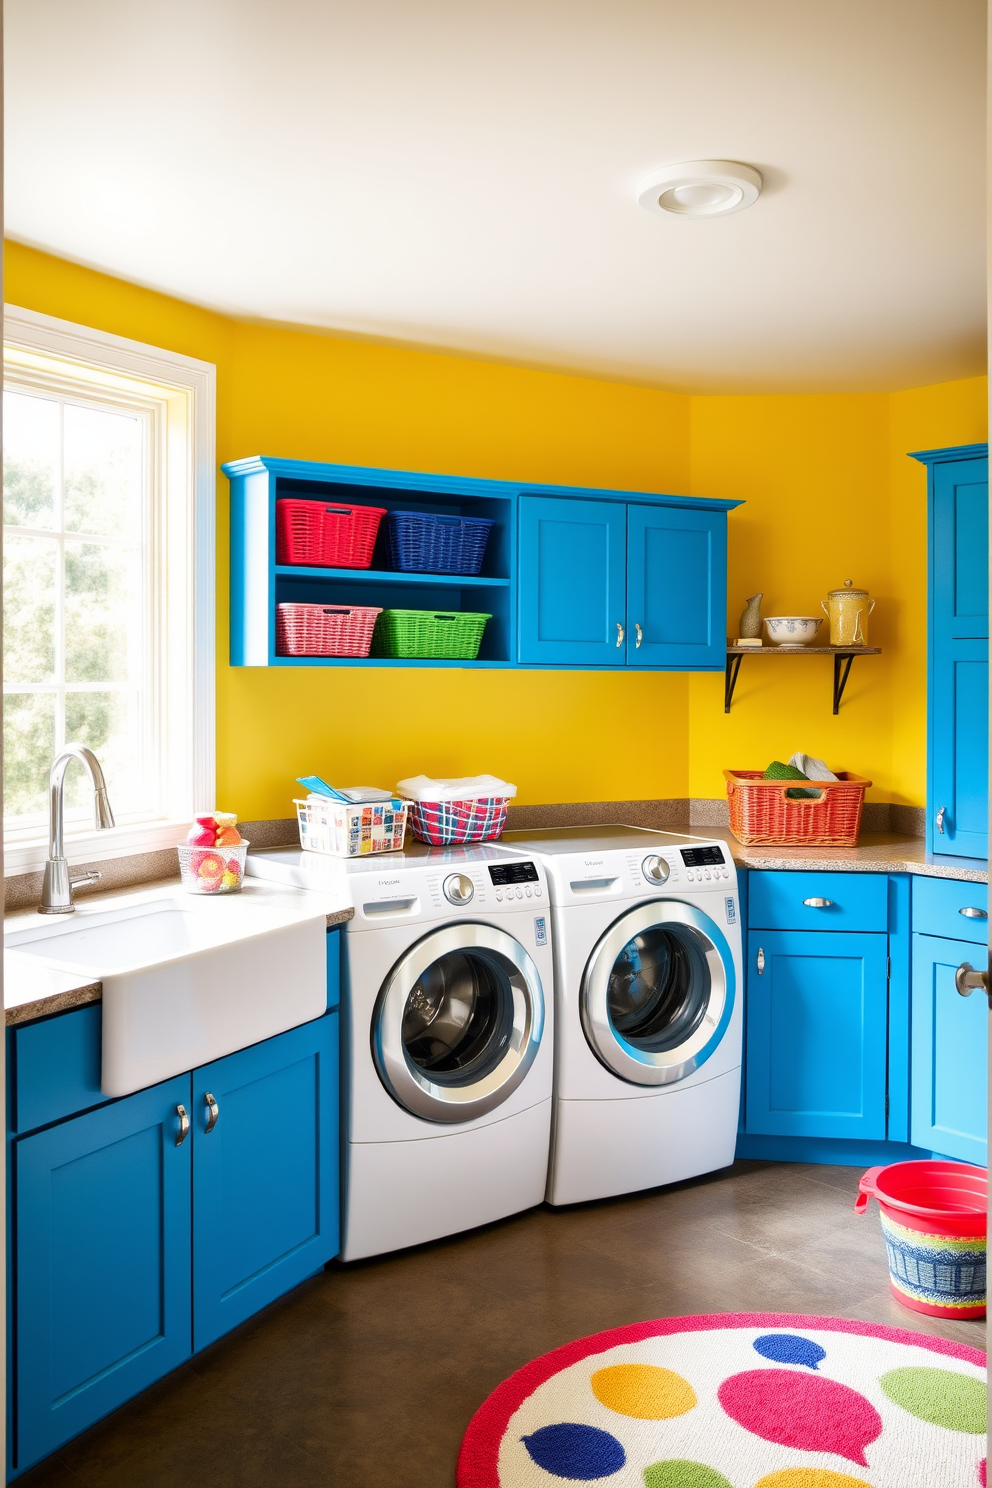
(940, 819)
(619, 634)
(818, 903)
(213, 1111)
(967, 979)
(970, 912)
(639, 634)
(761, 961)
(183, 1125)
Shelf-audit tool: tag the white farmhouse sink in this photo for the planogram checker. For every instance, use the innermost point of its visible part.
(188, 979)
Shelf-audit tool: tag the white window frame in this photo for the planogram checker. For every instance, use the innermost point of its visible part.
(186, 389)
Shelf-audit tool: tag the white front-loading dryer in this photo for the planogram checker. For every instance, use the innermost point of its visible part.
(447, 1044)
(649, 1011)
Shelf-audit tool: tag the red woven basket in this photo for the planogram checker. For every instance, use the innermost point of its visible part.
(761, 811)
(324, 535)
(324, 630)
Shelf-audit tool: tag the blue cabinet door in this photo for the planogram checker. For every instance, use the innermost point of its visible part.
(817, 1005)
(949, 1093)
(676, 587)
(573, 581)
(101, 1263)
(265, 1173)
(959, 628)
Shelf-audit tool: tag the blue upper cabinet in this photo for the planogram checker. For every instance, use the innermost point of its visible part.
(676, 588)
(573, 581)
(572, 577)
(957, 773)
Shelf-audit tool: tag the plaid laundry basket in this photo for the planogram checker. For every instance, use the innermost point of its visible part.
(441, 823)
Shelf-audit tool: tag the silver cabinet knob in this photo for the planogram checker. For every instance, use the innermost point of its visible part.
(458, 889)
(619, 634)
(655, 869)
(640, 636)
(818, 903)
(967, 979)
(183, 1115)
(761, 961)
(940, 819)
(971, 912)
(213, 1111)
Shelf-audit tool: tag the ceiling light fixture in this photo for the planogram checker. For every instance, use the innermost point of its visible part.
(700, 188)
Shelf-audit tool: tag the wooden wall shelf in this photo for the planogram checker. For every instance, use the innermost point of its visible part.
(843, 659)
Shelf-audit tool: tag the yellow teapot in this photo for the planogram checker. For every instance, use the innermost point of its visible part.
(847, 610)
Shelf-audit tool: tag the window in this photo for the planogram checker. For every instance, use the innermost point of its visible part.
(108, 584)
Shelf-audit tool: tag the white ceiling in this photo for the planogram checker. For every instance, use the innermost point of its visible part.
(460, 174)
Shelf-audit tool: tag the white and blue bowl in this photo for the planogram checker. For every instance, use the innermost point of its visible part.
(792, 630)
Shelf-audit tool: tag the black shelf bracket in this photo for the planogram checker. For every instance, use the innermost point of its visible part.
(734, 660)
(843, 660)
(842, 670)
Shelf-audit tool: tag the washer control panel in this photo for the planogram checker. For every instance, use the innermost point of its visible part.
(514, 881)
(704, 864)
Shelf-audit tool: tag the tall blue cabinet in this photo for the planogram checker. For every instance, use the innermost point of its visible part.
(958, 663)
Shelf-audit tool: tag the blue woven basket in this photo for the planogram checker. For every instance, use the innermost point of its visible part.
(422, 542)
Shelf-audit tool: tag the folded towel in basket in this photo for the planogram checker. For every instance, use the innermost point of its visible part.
(463, 788)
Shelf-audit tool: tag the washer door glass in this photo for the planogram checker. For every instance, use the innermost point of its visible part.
(658, 993)
(458, 1023)
(459, 1016)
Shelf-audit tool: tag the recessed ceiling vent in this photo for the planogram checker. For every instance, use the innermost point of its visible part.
(700, 188)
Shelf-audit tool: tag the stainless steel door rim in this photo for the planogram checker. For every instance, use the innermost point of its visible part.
(640, 1066)
(412, 1086)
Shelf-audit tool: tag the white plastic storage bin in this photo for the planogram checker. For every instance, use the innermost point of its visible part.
(346, 831)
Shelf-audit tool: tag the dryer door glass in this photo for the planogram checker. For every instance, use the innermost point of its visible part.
(458, 1023)
(659, 988)
(658, 993)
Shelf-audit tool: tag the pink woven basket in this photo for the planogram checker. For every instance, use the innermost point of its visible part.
(324, 630)
(443, 822)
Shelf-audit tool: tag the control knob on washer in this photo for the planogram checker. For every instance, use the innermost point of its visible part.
(655, 869)
(458, 889)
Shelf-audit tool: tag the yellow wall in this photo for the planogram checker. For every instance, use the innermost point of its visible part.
(829, 496)
(559, 736)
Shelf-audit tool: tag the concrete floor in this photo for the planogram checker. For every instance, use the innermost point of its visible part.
(367, 1375)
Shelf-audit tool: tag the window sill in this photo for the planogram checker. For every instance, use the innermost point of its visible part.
(94, 846)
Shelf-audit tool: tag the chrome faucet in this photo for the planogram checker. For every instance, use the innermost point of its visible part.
(58, 883)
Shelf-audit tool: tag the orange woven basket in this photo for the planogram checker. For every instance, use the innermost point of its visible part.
(761, 811)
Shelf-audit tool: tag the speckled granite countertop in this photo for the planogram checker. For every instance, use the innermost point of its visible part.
(876, 852)
(31, 990)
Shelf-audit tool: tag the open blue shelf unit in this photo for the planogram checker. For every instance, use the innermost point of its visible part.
(565, 569)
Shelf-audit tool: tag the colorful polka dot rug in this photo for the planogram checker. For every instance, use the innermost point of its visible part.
(737, 1400)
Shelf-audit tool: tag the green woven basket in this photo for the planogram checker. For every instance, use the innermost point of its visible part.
(447, 635)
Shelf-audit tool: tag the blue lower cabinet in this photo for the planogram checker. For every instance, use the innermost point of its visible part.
(265, 1173)
(949, 1109)
(101, 1263)
(817, 1018)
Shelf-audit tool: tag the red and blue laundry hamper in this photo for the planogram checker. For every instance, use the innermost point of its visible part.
(444, 822)
(934, 1216)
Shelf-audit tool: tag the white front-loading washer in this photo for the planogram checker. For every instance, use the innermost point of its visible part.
(648, 977)
(447, 1044)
